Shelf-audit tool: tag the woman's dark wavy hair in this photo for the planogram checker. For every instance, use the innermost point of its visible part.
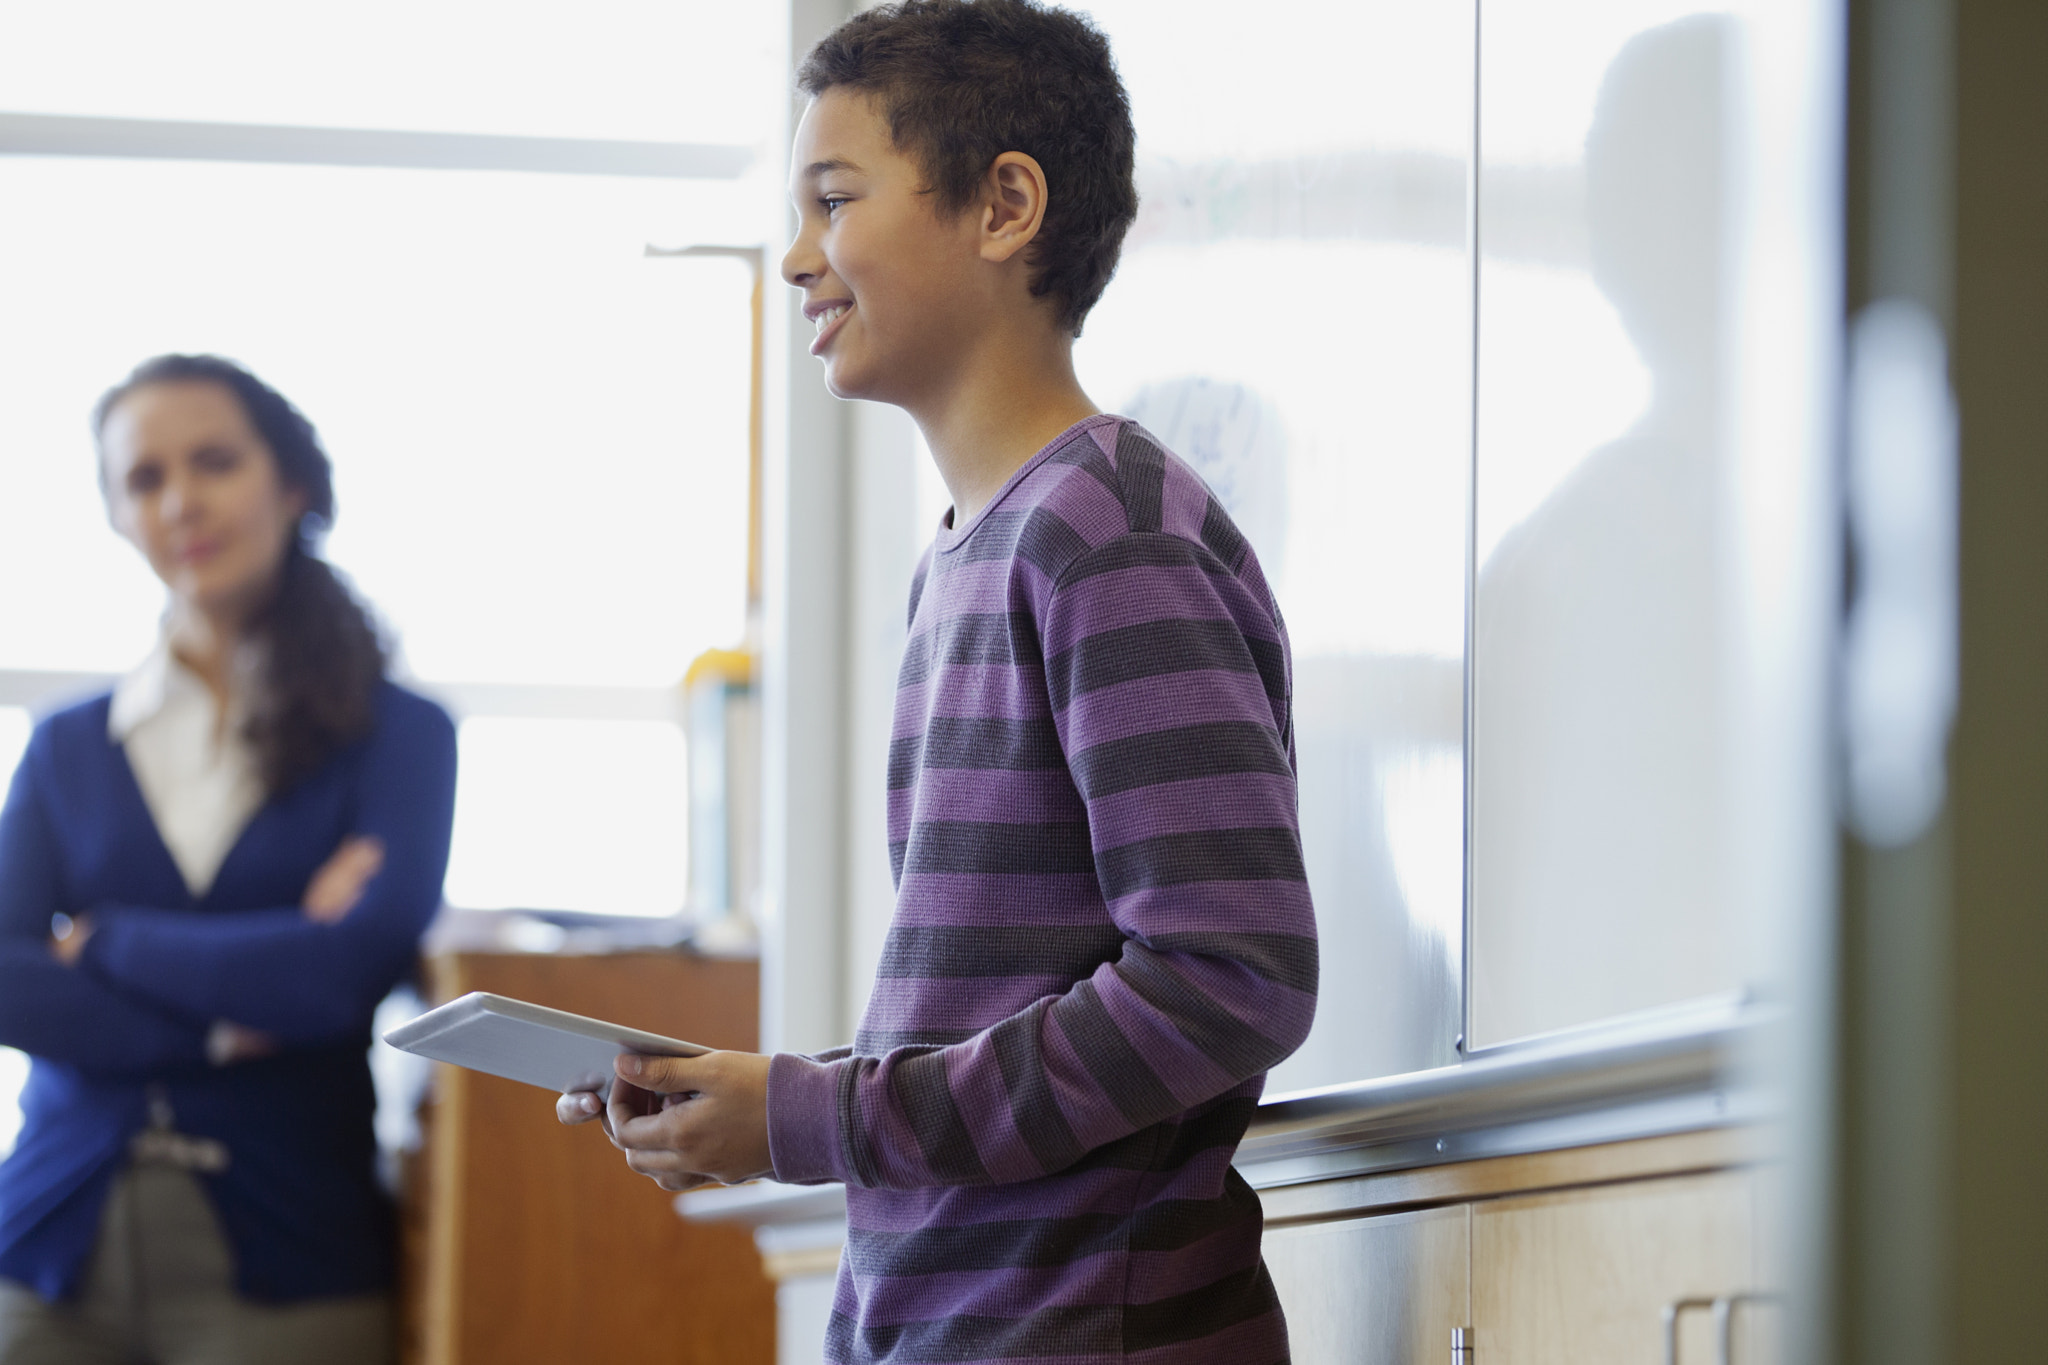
(320, 655)
(963, 81)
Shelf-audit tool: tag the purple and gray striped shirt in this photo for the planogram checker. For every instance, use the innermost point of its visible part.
(1102, 940)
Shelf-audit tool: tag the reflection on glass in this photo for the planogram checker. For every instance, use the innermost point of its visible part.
(1600, 627)
(570, 815)
(1292, 316)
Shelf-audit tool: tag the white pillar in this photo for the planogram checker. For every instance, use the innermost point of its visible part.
(805, 516)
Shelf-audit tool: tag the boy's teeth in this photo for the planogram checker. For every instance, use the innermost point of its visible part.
(830, 316)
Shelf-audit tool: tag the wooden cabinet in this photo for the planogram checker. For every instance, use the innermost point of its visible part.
(530, 1242)
(1562, 1258)
(1582, 1276)
(1386, 1289)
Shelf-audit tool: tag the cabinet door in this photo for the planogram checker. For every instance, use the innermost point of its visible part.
(1582, 1277)
(1373, 1291)
(534, 1243)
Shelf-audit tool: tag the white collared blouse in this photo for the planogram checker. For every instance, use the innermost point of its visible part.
(197, 774)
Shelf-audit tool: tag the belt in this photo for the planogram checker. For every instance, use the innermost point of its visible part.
(161, 1144)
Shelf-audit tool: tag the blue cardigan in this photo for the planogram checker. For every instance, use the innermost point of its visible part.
(299, 1198)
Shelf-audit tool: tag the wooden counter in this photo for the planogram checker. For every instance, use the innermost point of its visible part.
(530, 1242)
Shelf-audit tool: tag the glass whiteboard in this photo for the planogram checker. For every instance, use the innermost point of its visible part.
(1292, 315)
(1624, 522)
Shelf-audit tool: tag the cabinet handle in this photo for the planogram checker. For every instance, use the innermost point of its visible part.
(1461, 1346)
(1673, 1311)
(1724, 1321)
(1723, 1309)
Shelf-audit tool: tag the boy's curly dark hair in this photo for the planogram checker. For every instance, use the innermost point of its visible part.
(963, 81)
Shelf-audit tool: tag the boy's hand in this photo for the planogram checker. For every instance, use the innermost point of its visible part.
(685, 1121)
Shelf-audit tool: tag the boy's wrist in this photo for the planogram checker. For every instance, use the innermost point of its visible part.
(803, 1119)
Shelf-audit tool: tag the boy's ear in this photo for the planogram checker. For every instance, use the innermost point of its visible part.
(1015, 206)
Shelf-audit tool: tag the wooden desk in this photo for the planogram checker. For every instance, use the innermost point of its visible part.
(530, 1242)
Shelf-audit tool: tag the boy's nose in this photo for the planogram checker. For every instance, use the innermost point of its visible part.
(800, 264)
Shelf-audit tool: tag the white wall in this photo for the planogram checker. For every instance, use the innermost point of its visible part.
(887, 536)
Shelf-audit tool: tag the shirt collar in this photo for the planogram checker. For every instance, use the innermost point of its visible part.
(146, 690)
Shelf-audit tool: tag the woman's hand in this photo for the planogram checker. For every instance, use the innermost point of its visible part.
(685, 1121)
(335, 890)
(228, 1042)
(67, 939)
(341, 880)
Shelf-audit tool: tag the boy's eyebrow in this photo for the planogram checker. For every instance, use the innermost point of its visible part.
(818, 168)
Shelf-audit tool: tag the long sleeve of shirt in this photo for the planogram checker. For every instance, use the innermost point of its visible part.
(277, 970)
(1118, 833)
(47, 1008)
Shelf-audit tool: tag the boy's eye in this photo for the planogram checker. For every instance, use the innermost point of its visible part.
(831, 202)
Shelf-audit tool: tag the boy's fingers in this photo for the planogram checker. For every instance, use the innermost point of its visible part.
(662, 1075)
(667, 1171)
(659, 1161)
(579, 1106)
(670, 1170)
(662, 1131)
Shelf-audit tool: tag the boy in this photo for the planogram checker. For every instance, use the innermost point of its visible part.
(1103, 936)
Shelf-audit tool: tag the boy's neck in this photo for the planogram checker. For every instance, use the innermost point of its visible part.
(1002, 407)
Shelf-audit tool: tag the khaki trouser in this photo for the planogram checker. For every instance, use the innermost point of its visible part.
(160, 1291)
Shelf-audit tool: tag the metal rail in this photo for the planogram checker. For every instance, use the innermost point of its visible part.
(1665, 1073)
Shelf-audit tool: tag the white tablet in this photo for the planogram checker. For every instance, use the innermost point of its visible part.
(552, 1049)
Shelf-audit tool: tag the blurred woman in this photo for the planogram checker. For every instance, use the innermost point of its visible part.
(208, 879)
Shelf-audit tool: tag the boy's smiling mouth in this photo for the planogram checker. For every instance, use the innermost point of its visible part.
(827, 315)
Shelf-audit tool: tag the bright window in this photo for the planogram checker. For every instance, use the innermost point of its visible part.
(13, 1065)
(564, 813)
(637, 69)
(539, 434)
(13, 1076)
(539, 437)
(14, 722)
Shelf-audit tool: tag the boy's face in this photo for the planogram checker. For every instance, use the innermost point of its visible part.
(890, 282)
